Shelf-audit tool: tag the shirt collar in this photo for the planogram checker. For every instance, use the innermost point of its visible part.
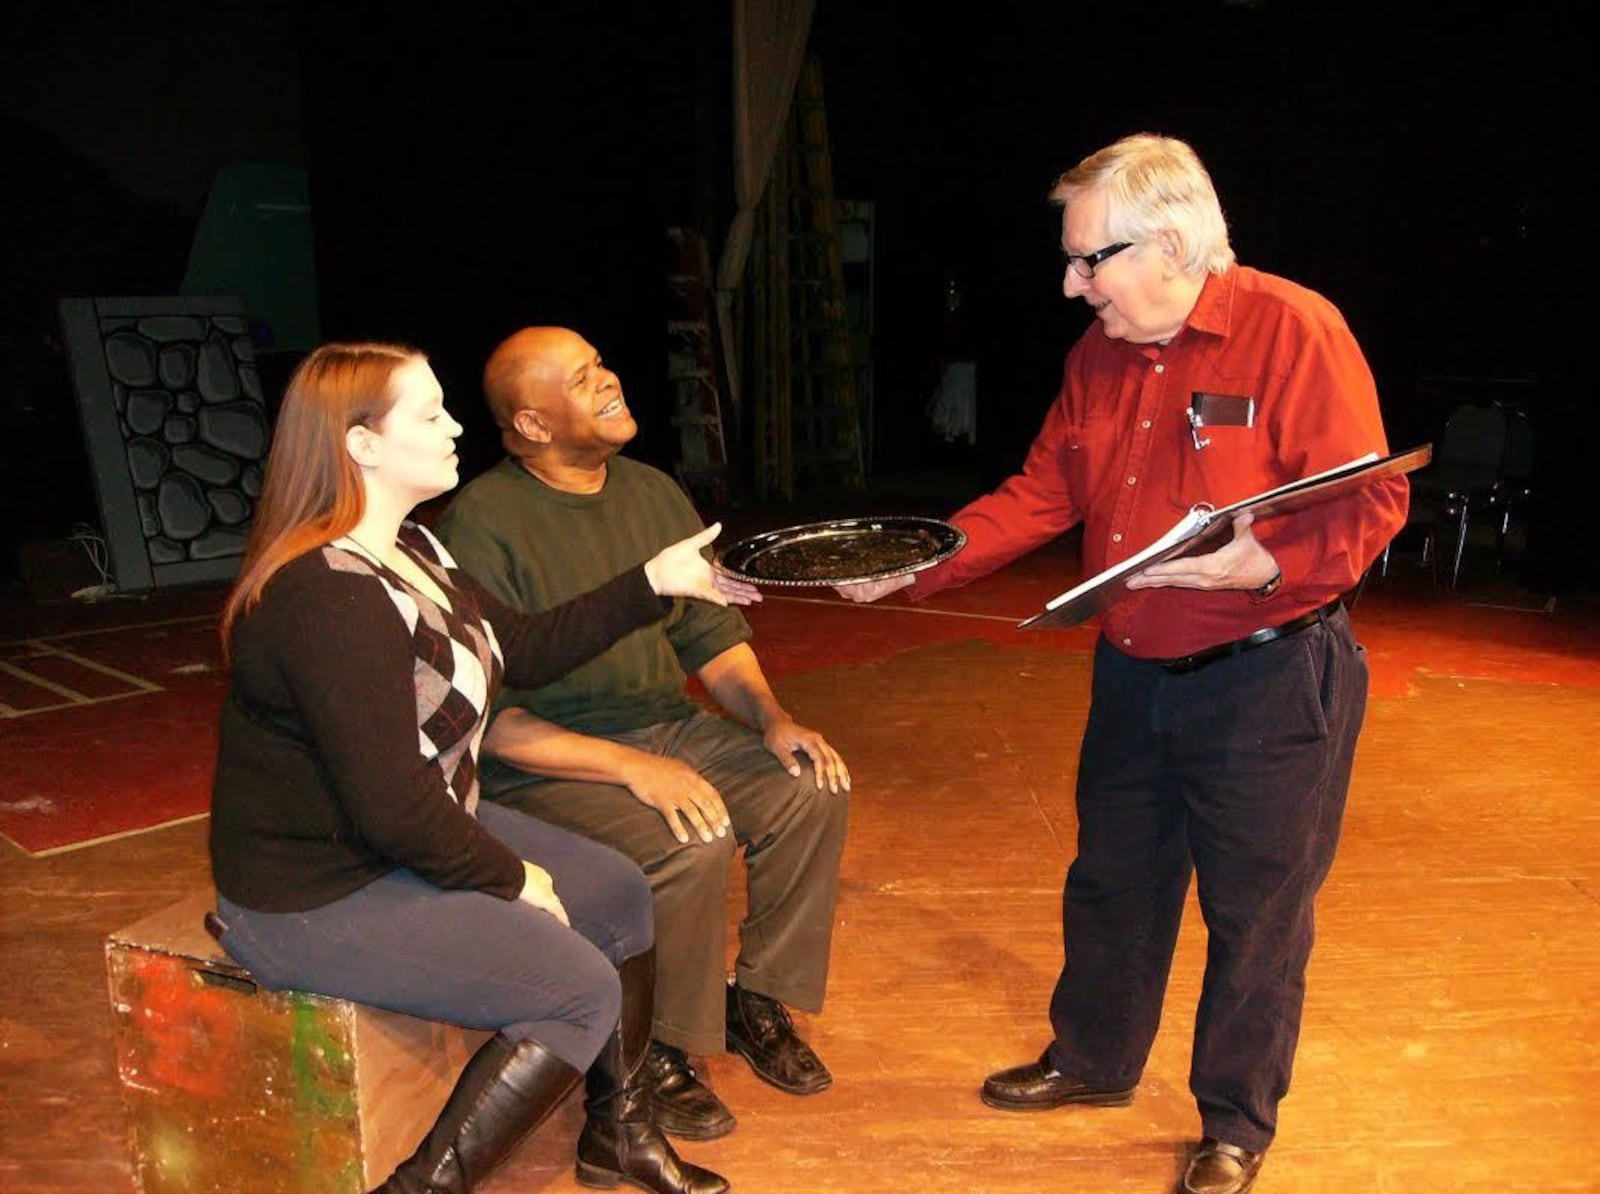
(1213, 310)
(1212, 314)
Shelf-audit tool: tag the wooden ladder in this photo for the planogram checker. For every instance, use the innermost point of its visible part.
(807, 413)
(702, 465)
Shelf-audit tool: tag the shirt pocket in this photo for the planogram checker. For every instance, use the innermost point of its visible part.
(1215, 473)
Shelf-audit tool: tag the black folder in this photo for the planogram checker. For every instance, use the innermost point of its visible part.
(1205, 528)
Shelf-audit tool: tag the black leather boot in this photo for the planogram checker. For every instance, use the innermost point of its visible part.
(620, 1142)
(505, 1092)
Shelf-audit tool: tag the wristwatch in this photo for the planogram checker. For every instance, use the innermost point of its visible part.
(1268, 589)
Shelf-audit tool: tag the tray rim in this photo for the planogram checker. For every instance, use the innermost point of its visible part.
(798, 533)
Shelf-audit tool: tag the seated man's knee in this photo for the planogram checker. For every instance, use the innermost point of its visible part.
(696, 860)
(795, 809)
(828, 811)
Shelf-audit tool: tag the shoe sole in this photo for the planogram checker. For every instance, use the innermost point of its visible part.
(608, 1179)
(1097, 1098)
(736, 1046)
(1244, 1189)
(696, 1134)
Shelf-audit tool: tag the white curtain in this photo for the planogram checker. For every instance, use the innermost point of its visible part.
(769, 45)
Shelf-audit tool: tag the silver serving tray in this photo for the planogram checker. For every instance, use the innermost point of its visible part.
(842, 551)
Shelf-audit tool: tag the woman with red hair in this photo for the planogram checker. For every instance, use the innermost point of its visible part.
(351, 855)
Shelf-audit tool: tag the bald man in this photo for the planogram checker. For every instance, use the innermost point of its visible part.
(619, 752)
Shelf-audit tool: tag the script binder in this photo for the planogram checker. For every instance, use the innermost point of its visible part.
(1205, 527)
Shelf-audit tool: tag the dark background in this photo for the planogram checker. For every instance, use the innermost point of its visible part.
(472, 171)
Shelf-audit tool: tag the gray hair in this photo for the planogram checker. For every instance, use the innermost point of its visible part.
(1152, 183)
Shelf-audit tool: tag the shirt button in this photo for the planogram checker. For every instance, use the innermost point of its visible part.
(1161, 368)
(1133, 480)
(1117, 538)
(1127, 642)
(1145, 424)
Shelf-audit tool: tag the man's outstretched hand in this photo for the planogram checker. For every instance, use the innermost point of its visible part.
(870, 590)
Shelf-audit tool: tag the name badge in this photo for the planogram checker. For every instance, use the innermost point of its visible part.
(1218, 410)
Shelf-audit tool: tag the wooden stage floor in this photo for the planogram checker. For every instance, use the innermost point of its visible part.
(1452, 1032)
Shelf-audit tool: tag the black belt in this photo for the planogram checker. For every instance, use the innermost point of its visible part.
(1193, 663)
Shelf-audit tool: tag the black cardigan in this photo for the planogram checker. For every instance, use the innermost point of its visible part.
(332, 768)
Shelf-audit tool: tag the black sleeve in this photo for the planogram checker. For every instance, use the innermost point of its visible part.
(345, 656)
(545, 646)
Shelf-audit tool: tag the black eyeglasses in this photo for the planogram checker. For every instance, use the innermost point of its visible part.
(1084, 264)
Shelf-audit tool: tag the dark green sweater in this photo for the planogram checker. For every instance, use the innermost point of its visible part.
(534, 546)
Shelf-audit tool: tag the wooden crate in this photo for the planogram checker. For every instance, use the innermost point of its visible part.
(234, 1088)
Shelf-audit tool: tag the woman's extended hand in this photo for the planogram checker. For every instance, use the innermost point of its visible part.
(539, 890)
(682, 571)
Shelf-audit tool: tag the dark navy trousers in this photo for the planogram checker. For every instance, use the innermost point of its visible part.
(1237, 774)
(463, 957)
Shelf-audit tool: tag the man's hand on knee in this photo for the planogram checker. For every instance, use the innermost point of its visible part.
(784, 737)
(681, 795)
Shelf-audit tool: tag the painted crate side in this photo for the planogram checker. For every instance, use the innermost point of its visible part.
(230, 1087)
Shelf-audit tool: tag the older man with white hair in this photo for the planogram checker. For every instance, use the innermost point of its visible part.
(1229, 689)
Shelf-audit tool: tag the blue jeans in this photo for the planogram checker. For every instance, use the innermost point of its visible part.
(1236, 774)
(463, 957)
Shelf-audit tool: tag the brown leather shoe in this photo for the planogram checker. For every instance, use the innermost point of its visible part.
(1039, 1086)
(681, 1104)
(759, 1030)
(1220, 1168)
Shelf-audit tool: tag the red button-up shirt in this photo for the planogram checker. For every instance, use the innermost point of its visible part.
(1117, 454)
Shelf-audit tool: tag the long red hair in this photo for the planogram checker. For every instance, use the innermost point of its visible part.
(312, 491)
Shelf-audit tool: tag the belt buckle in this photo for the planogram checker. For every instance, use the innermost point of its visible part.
(1187, 665)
